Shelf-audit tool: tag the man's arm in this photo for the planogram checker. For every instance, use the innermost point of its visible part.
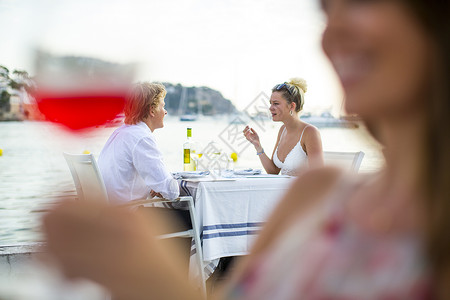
(147, 159)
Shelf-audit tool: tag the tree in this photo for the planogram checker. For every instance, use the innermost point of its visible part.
(4, 77)
(21, 74)
(4, 101)
(21, 80)
(4, 72)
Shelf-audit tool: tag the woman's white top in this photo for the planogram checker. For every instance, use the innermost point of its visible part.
(131, 165)
(295, 159)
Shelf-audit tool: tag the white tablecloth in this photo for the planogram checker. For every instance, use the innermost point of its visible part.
(231, 213)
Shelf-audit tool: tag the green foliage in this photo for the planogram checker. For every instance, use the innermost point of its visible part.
(21, 80)
(21, 73)
(15, 85)
(4, 100)
(4, 72)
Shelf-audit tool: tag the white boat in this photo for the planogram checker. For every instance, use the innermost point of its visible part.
(325, 119)
(188, 118)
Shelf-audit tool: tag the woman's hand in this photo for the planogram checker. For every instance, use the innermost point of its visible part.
(251, 136)
(99, 242)
(117, 248)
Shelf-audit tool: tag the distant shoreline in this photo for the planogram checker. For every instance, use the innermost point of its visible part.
(12, 119)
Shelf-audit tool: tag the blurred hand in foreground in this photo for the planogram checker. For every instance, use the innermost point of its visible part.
(117, 248)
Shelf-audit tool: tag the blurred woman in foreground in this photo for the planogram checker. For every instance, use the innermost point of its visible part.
(384, 236)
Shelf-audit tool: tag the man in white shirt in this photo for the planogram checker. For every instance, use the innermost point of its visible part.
(130, 162)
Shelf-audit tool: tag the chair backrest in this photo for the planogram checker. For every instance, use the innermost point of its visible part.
(86, 176)
(348, 160)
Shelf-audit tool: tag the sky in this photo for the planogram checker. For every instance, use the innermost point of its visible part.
(238, 47)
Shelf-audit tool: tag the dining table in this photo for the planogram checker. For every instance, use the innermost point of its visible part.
(230, 212)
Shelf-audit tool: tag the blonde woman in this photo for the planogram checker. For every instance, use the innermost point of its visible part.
(298, 143)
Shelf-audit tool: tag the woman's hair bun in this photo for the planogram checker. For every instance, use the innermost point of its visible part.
(300, 83)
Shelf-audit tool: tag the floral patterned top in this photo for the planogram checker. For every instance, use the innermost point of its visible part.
(327, 256)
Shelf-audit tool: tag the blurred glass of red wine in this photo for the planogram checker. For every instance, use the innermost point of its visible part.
(80, 92)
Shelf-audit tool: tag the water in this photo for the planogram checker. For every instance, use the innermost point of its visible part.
(34, 174)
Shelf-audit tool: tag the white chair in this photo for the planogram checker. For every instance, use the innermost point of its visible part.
(347, 160)
(86, 177)
(90, 187)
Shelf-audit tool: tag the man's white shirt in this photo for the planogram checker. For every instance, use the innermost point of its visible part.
(131, 165)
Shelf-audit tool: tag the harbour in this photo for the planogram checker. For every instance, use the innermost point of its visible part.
(34, 174)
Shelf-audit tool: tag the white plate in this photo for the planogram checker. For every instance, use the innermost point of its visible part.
(193, 174)
(267, 176)
(247, 172)
(209, 179)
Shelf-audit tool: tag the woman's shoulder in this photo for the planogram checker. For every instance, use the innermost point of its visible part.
(307, 192)
(311, 186)
(321, 183)
(309, 128)
(315, 188)
(319, 179)
(310, 132)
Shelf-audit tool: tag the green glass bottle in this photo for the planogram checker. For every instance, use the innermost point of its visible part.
(189, 162)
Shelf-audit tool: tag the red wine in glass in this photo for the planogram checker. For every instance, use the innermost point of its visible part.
(82, 108)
